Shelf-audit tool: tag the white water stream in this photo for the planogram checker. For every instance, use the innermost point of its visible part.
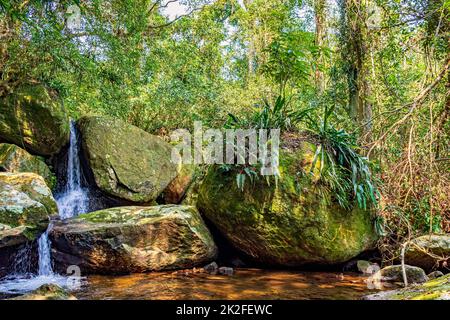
(73, 200)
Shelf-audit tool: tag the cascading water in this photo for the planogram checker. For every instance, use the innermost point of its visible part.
(45, 260)
(72, 201)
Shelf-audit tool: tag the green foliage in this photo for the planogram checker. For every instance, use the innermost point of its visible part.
(130, 61)
(290, 58)
(269, 116)
(342, 168)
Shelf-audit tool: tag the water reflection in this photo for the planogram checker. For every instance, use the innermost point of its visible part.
(244, 284)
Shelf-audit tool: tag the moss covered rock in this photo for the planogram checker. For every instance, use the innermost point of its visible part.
(25, 206)
(436, 289)
(429, 252)
(33, 117)
(126, 161)
(133, 239)
(47, 292)
(15, 159)
(293, 223)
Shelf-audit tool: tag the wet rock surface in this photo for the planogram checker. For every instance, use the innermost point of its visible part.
(395, 274)
(26, 204)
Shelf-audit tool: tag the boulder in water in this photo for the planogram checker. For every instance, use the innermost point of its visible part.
(435, 274)
(15, 159)
(429, 252)
(395, 274)
(133, 239)
(34, 117)
(226, 271)
(291, 223)
(211, 267)
(126, 161)
(367, 267)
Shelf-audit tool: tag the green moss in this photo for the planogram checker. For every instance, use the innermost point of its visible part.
(126, 161)
(15, 159)
(431, 290)
(47, 292)
(34, 118)
(25, 201)
(291, 223)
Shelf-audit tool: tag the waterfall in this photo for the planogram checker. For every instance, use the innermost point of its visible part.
(45, 261)
(71, 201)
(74, 199)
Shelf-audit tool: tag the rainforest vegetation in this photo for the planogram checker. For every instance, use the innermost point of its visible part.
(367, 80)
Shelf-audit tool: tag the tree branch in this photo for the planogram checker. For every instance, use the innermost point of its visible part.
(413, 105)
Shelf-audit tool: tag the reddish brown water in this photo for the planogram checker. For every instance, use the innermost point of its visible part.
(244, 284)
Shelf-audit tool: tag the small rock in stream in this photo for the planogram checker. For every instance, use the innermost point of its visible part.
(367, 267)
(238, 263)
(435, 274)
(394, 274)
(211, 268)
(226, 271)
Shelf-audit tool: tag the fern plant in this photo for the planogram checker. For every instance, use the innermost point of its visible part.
(346, 171)
(267, 116)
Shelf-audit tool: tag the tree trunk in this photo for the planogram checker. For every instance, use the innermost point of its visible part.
(354, 36)
(251, 48)
(319, 13)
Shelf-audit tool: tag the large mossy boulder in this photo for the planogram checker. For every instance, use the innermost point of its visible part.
(133, 239)
(26, 203)
(34, 117)
(429, 252)
(126, 161)
(290, 223)
(15, 159)
(436, 289)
